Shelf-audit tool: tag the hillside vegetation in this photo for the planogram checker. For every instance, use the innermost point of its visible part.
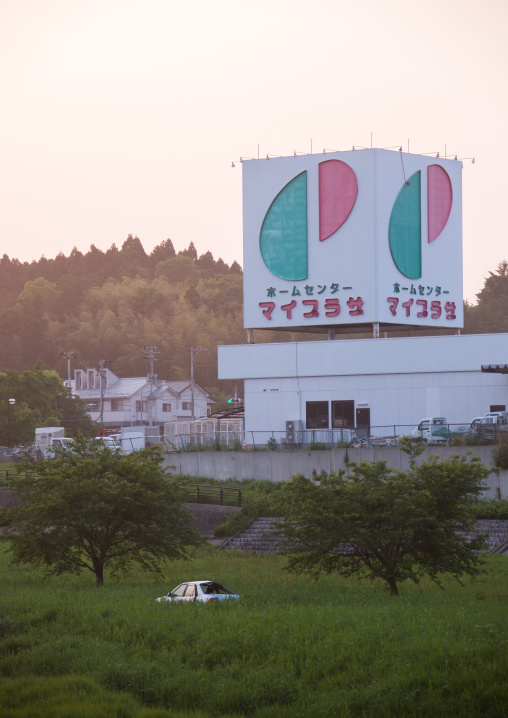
(110, 305)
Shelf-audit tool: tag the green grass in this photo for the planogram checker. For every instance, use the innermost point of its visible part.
(290, 648)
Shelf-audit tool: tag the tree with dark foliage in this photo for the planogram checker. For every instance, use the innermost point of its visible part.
(370, 521)
(92, 508)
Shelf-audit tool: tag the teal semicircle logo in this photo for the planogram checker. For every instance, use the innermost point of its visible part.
(405, 229)
(283, 236)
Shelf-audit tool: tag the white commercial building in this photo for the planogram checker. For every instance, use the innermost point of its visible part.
(362, 241)
(385, 385)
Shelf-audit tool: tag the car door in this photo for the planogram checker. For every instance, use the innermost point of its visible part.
(178, 594)
(190, 592)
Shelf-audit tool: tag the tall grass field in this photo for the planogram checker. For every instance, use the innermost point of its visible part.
(292, 647)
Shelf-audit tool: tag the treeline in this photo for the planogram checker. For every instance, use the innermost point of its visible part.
(37, 397)
(490, 314)
(111, 305)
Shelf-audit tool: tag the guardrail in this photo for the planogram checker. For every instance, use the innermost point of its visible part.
(198, 494)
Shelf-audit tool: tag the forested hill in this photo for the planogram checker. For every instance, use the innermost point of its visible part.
(111, 305)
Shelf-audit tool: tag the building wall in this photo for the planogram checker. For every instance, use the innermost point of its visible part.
(401, 380)
(400, 400)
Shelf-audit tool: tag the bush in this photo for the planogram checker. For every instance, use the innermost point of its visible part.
(500, 453)
(317, 446)
(236, 523)
(259, 498)
(491, 509)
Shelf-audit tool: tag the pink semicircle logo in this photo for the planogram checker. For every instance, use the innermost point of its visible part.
(440, 198)
(338, 189)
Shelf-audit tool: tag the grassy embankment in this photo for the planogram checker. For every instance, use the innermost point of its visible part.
(291, 647)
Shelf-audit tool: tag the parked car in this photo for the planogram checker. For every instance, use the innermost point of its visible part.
(203, 591)
(61, 443)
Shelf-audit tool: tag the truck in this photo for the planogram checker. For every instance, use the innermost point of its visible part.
(492, 424)
(434, 430)
(130, 439)
(47, 438)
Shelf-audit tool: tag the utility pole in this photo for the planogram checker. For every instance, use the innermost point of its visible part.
(10, 402)
(193, 352)
(152, 379)
(102, 375)
(68, 356)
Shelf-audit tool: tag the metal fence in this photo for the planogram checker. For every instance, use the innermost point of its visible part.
(387, 435)
(198, 494)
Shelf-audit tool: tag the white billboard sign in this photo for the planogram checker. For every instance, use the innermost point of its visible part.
(352, 238)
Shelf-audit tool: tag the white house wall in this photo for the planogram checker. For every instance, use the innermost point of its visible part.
(400, 380)
(128, 416)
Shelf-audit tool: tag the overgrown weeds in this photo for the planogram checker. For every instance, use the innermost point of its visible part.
(290, 647)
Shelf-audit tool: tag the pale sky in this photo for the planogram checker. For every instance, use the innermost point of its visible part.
(123, 116)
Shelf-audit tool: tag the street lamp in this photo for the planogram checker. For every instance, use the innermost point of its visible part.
(10, 403)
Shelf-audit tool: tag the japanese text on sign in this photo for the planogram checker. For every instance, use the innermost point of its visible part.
(312, 307)
(308, 290)
(422, 308)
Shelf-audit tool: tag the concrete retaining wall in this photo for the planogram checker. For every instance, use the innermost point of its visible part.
(281, 465)
(208, 516)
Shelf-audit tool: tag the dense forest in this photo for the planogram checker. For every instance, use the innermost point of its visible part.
(111, 305)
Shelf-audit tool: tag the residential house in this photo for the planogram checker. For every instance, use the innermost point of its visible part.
(137, 401)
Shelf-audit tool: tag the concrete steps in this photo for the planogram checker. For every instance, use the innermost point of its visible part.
(261, 536)
(497, 532)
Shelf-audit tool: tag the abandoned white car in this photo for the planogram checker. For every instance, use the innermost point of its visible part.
(204, 591)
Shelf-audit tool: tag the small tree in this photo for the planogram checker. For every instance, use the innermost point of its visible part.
(95, 507)
(370, 521)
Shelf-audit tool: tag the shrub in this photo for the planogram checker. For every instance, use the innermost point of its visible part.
(259, 498)
(500, 453)
(491, 509)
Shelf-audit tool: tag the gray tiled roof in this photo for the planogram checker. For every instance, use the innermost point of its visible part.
(128, 387)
